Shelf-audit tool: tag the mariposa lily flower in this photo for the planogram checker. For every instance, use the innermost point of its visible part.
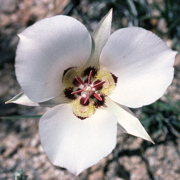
(89, 81)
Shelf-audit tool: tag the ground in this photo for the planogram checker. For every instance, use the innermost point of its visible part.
(20, 148)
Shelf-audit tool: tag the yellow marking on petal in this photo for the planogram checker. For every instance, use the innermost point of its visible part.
(109, 84)
(81, 110)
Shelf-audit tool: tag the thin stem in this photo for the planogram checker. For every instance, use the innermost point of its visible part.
(19, 117)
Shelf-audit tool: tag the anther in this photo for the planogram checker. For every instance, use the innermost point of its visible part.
(86, 99)
(98, 84)
(87, 71)
(97, 96)
(78, 91)
(89, 77)
(78, 79)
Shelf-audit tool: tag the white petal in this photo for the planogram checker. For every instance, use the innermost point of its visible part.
(77, 144)
(143, 64)
(100, 37)
(128, 121)
(61, 99)
(45, 50)
(22, 99)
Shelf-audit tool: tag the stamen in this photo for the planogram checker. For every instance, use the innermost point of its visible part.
(89, 77)
(78, 91)
(99, 84)
(98, 103)
(97, 96)
(87, 71)
(79, 80)
(82, 101)
(68, 93)
(86, 99)
(89, 89)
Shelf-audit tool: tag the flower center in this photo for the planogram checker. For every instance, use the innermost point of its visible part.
(87, 89)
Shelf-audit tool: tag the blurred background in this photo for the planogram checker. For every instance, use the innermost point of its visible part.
(21, 155)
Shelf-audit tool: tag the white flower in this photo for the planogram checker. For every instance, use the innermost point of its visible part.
(89, 81)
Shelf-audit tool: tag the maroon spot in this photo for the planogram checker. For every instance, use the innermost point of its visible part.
(98, 87)
(82, 118)
(78, 91)
(86, 80)
(88, 70)
(75, 82)
(84, 101)
(114, 77)
(98, 103)
(68, 93)
(65, 71)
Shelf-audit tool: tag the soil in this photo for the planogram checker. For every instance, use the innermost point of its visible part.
(20, 148)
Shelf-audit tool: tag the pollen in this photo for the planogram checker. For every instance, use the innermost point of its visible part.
(110, 81)
(83, 111)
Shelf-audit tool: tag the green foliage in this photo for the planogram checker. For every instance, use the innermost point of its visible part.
(20, 175)
(20, 117)
(162, 117)
(148, 15)
(170, 14)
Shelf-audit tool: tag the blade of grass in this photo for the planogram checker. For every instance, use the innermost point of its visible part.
(20, 117)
